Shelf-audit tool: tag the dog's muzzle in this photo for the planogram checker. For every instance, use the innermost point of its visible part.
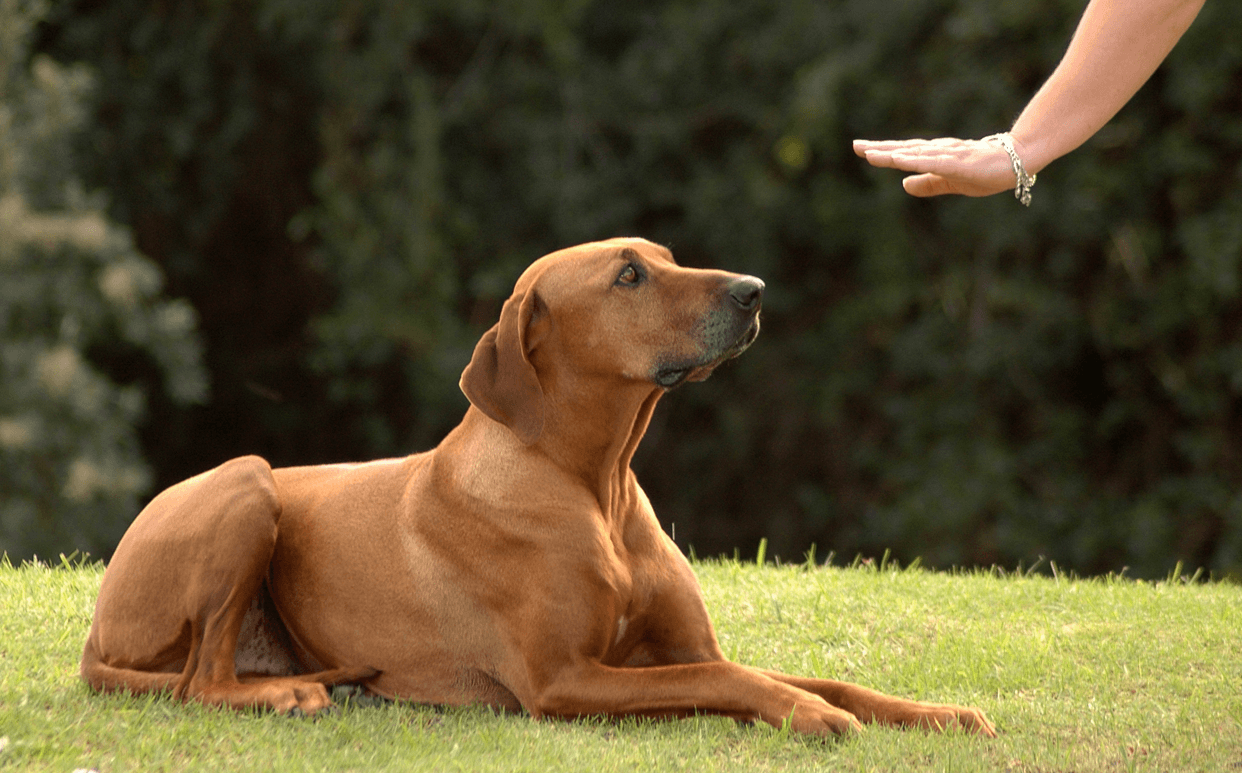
(725, 333)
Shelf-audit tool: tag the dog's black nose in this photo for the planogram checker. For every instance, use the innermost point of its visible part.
(746, 292)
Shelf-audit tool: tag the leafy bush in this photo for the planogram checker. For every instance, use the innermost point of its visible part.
(963, 380)
(73, 293)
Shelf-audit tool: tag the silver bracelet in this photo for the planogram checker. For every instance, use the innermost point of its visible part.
(1025, 181)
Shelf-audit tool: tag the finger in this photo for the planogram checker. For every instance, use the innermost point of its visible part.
(919, 161)
(863, 147)
(879, 158)
(925, 185)
(950, 143)
(932, 184)
(914, 146)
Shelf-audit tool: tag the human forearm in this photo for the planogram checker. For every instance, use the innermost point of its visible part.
(1116, 48)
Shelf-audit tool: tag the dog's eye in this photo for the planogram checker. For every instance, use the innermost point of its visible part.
(630, 275)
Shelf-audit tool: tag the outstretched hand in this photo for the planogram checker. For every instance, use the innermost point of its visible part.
(945, 165)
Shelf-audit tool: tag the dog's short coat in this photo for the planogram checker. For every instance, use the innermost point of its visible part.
(519, 564)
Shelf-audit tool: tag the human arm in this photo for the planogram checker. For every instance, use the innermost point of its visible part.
(1117, 46)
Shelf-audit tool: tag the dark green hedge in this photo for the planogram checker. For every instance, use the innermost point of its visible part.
(346, 191)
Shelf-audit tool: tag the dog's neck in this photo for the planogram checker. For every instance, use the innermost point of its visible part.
(595, 438)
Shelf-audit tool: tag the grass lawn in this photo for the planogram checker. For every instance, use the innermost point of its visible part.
(1079, 675)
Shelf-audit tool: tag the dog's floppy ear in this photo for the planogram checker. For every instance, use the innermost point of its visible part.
(500, 380)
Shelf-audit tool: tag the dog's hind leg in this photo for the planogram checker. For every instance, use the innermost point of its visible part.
(179, 587)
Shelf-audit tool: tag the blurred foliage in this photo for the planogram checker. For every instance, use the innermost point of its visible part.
(346, 191)
(75, 297)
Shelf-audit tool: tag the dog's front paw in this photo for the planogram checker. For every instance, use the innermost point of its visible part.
(822, 719)
(941, 717)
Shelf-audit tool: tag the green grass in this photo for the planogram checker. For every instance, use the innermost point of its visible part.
(1079, 675)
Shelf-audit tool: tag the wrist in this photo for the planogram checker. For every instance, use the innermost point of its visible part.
(1024, 180)
(1034, 153)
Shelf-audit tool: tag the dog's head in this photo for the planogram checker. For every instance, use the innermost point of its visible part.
(620, 310)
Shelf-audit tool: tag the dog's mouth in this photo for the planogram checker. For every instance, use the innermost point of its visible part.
(675, 374)
(672, 377)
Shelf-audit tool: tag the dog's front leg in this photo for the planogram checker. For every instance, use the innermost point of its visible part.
(718, 687)
(872, 706)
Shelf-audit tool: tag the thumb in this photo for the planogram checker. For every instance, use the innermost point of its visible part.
(923, 185)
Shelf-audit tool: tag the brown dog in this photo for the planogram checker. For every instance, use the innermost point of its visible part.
(518, 564)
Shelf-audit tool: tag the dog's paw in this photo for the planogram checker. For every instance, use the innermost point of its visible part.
(293, 698)
(942, 717)
(822, 719)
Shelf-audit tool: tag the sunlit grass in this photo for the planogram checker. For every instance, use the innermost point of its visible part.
(1108, 674)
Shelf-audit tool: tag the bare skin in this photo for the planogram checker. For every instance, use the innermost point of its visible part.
(1116, 48)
